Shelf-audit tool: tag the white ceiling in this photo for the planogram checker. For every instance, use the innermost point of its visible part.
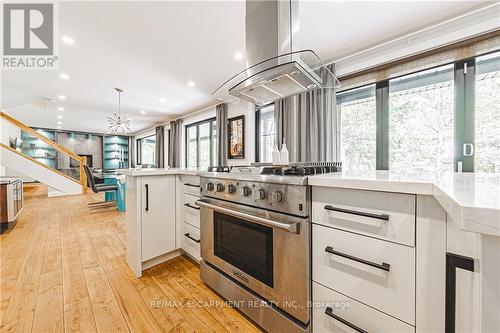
(335, 29)
(152, 49)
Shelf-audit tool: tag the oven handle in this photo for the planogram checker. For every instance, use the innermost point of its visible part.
(290, 227)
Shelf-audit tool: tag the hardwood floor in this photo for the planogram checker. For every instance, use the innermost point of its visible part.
(63, 269)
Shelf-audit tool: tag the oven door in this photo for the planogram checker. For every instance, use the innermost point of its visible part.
(265, 251)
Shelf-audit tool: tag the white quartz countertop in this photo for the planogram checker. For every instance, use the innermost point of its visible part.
(137, 172)
(471, 199)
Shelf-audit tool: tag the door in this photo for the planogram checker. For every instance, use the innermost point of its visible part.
(158, 215)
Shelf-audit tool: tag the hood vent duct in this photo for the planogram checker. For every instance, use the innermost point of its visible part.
(274, 68)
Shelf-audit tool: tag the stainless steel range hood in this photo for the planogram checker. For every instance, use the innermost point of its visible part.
(276, 67)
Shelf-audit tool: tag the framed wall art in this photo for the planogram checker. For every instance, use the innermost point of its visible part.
(236, 140)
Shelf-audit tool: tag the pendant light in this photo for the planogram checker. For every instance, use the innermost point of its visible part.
(119, 123)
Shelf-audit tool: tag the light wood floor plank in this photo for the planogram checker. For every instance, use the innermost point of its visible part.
(197, 316)
(135, 311)
(49, 306)
(108, 316)
(21, 306)
(78, 316)
(73, 278)
(168, 317)
(64, 269)
(52, 259)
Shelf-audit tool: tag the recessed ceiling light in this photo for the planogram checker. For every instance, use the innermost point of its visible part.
(59, 117)
(68, 40)
(190, 84)
(61, 97)
(238, 56)
(64, 76)
(144, 112)
(59, 123)
(60, 109)
(162, 100)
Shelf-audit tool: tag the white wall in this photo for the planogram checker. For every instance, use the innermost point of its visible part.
(248, 110)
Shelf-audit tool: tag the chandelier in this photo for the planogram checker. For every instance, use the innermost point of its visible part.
(119, 123)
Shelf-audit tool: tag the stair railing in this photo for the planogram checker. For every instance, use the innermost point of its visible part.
(82, 160)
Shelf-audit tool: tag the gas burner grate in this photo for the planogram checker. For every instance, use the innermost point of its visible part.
(219, 169)
(277, 171)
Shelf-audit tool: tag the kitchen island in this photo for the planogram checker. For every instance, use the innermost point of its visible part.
(407, 253)
(438, 238)
(157, 213)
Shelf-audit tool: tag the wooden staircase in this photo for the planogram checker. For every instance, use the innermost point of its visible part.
(15, 159)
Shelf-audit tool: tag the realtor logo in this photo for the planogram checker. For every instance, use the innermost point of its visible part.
(28, 36)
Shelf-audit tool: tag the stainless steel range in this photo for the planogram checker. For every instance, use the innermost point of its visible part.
(255, 241)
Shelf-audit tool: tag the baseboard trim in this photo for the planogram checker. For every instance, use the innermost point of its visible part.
(160, 259)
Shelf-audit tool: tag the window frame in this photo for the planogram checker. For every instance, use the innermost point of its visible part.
(139, 148)
(339, 121)
(258, 108)
(211, 122)
(464, 117)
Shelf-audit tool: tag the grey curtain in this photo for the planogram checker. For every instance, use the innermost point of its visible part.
(307, 123)
(222, 134)
(174, 144)
(131, 151)
(160, 146)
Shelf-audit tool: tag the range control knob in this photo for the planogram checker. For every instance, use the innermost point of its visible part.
(231, 188)
(210, 187)
(262, 194)
(220, 187)
(246, 191)
(278, 197)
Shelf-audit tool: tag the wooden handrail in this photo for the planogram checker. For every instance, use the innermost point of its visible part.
(81, 159)
(38, 162)
(51, 143)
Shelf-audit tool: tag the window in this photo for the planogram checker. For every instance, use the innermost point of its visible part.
(266, 133)
(201, 144)
(421, 121)
(357, 132)
(487, 113)
(146, 150)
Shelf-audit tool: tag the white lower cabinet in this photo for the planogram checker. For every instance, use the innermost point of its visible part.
(191, 211)
(335, 312)
(190, 217)
(191, 184)
(191, 240)
(378, 273)
(150, 219)
(158, 216)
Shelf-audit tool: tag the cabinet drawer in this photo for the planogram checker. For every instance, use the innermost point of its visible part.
(334, 312)
(191, 240)
(191, 184)
(381, 215)
(191, 211)
(378, 273)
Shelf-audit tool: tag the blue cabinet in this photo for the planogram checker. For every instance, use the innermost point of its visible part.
(115, 152)
(37, 149)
